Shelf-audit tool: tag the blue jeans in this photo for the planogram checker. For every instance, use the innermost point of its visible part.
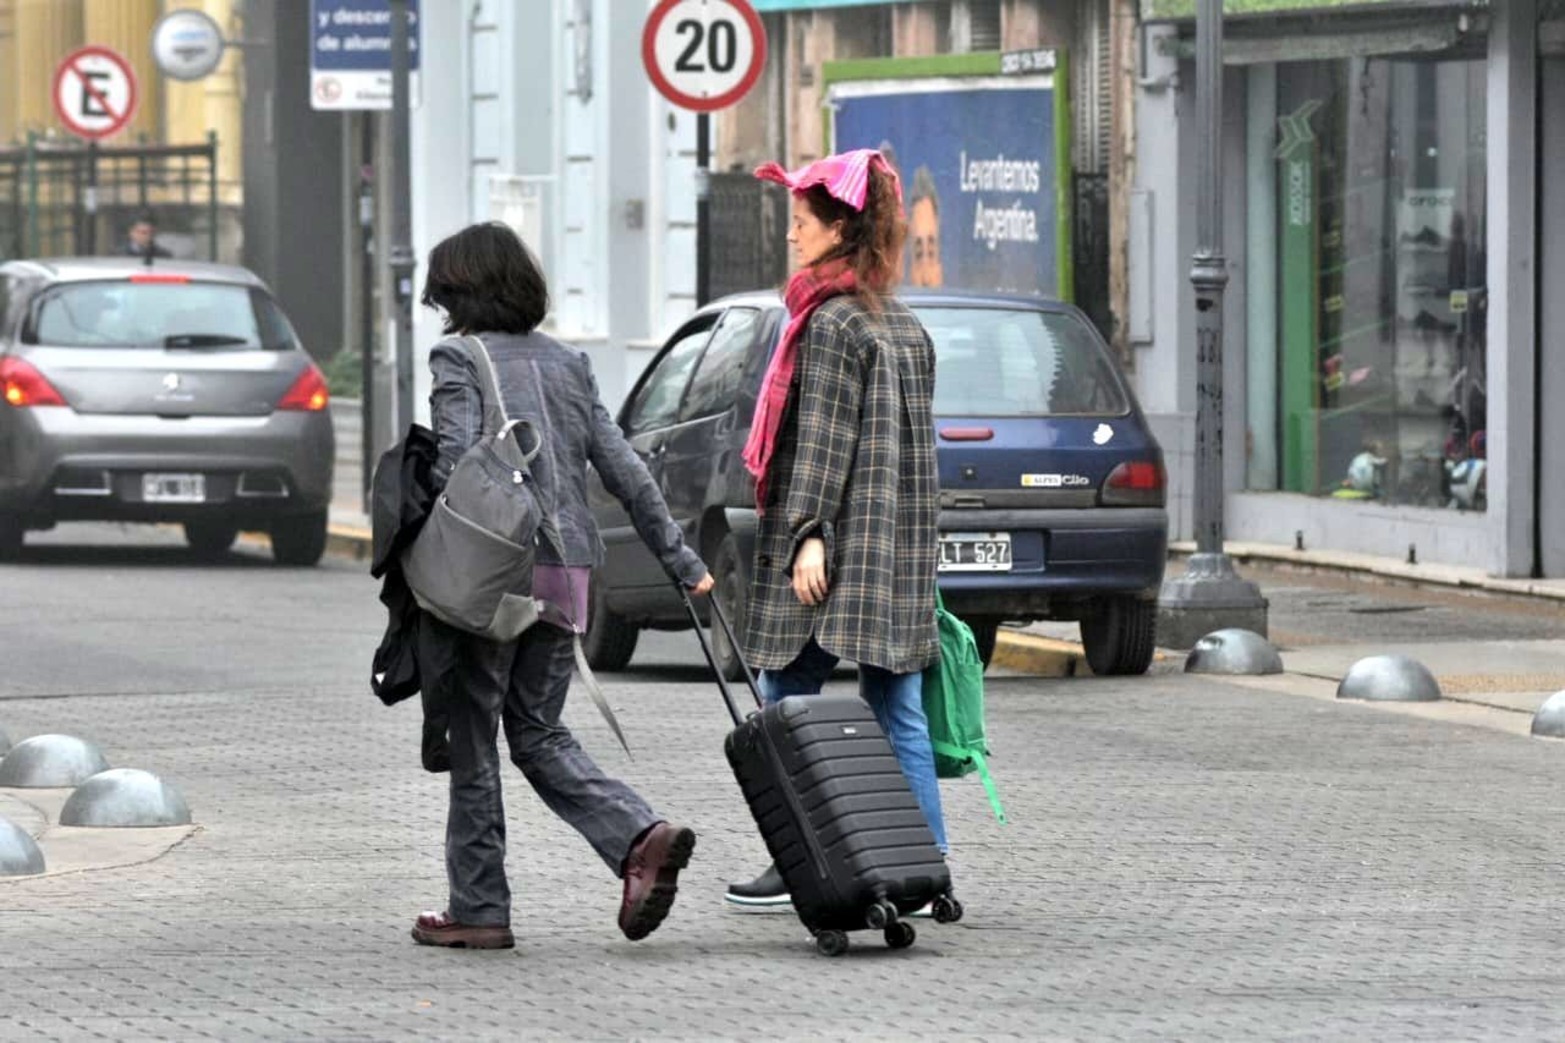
(898, 703)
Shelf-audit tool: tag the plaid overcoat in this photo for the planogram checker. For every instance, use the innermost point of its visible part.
(854, 465)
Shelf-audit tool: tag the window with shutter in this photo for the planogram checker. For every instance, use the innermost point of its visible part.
(983, 33)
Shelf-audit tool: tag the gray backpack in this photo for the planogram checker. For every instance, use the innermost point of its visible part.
(472, 564)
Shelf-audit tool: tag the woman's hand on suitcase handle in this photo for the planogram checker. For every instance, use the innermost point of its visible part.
(809, 571)
(704, 585)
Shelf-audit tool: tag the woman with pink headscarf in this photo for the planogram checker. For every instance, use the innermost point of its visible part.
(842, 450)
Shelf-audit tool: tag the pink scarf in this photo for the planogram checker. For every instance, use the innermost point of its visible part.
(808, 288)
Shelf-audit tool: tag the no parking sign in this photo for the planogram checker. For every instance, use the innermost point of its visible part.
(94, 92)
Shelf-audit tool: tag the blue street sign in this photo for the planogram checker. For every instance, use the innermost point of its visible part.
(350, 53)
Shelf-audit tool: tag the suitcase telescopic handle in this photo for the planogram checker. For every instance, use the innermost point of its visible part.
(706, 648)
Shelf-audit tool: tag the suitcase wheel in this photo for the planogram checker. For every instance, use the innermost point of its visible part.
(880, 916)
(831, 943)
(900, 935)
(946, 909)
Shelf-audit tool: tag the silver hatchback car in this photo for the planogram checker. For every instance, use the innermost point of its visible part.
(172, 392)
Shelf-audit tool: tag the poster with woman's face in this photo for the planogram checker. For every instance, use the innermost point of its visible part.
(976, 159)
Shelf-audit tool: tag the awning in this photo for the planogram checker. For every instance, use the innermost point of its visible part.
(1238, 10)
(1346, 43)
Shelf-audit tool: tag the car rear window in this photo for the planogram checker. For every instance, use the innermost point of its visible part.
(1004, 362)
(159, 314)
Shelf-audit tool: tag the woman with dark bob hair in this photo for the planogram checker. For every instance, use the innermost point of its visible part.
(842, 450)
(491, 291)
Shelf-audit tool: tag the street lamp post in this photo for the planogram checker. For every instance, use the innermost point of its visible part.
(401, 246)
(1210, 595)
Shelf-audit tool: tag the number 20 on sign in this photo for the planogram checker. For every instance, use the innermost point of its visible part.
(703, 55)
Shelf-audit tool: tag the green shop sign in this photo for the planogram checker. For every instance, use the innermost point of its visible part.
(1299, 278)
(1183, 10)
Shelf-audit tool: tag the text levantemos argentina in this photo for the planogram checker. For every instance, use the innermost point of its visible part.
(1017, 223)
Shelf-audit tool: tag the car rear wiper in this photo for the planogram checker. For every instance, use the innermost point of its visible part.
(202, 340)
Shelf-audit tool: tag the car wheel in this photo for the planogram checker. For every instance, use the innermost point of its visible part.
(300, 540)
(609, 641)
(12, 532)
(986, 632)
(210, 539)
(1120, 635)
(732, 594)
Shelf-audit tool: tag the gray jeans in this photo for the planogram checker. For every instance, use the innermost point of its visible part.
(522, 684)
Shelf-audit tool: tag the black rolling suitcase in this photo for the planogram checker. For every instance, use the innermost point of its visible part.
(835, 811)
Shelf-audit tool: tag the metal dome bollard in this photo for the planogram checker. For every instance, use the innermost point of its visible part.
(48, 761)
(1549, 721)
(19, 854)
(1389, 678)
(125, 797)
(1233, 651)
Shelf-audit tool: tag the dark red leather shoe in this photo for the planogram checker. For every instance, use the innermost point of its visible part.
(440, 929)
(652, 878)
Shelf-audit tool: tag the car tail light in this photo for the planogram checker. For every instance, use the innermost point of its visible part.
(1136, 483)
(159, 277)
(308, 394)
(24, 386)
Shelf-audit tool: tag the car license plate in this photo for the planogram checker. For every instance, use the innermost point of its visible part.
(173, 488)
(975, 552)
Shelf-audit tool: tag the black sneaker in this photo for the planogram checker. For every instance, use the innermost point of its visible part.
(765, 890)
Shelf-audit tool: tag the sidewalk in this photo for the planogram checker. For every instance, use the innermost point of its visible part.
(1486, 645)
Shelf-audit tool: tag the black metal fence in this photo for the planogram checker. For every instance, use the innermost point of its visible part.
(749, 229)
(1090, 245)
(69, 199)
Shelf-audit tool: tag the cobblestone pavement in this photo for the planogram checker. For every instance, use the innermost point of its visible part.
(1187, 859)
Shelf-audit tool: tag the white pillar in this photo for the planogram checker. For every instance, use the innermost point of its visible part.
(1512, 280)
(440, 158)
(1261, 276)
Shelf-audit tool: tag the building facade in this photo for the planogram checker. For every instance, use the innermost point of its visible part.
(547, 120)
(543, 117)
(1394, 213)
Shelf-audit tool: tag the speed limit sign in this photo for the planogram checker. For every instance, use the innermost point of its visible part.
(703, 55)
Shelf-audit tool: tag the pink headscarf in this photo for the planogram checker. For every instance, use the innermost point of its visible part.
(845, 175)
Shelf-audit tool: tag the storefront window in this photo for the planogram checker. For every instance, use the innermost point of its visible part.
(1376, 218)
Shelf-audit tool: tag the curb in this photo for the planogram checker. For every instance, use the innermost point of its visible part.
(356, 543)
(348, 541)
(1025, 653)
(1039, 656)
(342, 541)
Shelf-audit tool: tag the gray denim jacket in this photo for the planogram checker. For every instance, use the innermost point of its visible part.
(552, 386)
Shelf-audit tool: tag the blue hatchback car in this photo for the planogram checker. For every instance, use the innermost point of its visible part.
(1052, 485)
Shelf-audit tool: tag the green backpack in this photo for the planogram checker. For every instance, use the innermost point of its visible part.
(954, 704)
